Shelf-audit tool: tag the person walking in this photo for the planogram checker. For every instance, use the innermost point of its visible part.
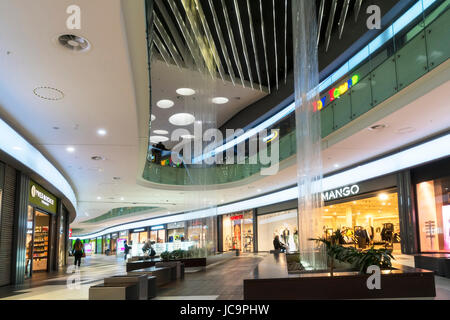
(127, 250)
(78, 252)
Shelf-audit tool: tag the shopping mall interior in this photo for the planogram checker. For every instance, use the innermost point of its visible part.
(224, 149)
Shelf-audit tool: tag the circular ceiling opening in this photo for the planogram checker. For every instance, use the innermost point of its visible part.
(157, 139)
(74, 43)
(48, 93)
(160, 132)
(186, 91)
(220, 100)
(165, 104)
(182, 119)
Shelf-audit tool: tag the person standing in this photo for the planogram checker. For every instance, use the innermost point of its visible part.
(78, 252)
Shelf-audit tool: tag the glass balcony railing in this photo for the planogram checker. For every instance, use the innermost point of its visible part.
(408, 55)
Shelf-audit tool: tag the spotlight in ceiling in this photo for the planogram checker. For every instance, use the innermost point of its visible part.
(101, 132)
(99, 198)
(182, 119)
(160, 132)
(48, 93)
(70, 149)
(74, 43)
(220, 100)
(377, 127)
(336, 165)
(383, 196)
(165, 104)
(157, 139)
(187, 136)
(153, 118)
(186, 91)
(98, 158)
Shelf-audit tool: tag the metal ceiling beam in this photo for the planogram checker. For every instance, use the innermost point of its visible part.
(330, 24)
(343, 17)
(319, 26)
(275, 42)
(210, 39)
(264, 44)
(357, 8)
(244, 45)
(285, 40)
(255, 49)
(233, 42)
(168, 41)
(174, 32)
(187, 36)
(222, 42)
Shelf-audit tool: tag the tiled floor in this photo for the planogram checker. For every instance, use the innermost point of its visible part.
(222, 281)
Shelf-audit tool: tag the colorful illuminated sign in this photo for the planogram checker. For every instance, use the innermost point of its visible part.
(336, 92)
(238, 217)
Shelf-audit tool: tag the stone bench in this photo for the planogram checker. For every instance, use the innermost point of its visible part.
(128, 291)
(163, 275)
(140, 280)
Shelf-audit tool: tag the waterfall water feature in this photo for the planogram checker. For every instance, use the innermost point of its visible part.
(308, 133)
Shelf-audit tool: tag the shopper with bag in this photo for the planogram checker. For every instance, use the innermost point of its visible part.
(78, 252)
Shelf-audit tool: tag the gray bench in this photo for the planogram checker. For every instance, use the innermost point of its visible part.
(163, 275)
(177, 269)
(114, 292)
(140, 280)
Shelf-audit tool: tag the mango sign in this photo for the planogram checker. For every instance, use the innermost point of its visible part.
(335, 93)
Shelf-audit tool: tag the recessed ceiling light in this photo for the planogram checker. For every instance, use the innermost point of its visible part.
(383, 196)
(17, 148)
(377, 127)
(122, 198)
(186, 91)
(74, 42)
(220, 100)
(48, 93)
(187, 136)
(160, 131)
(101, 132)
(182, 119)
(117, 178)
(405, 130)
(99, 198)
(336, 165)
(55, 128)
(153, 118)
(98, 158)
(157, 139)
(70, 149)
(165, 104)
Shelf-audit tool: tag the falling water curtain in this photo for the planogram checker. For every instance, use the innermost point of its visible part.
(308, 133)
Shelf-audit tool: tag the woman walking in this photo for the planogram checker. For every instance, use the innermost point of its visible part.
(78, 251)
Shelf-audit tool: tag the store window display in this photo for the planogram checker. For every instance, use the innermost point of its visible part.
(282, 224)
(238, 231)
(363, 223)
(433, 206)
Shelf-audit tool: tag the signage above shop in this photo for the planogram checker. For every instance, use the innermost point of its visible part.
(41, 198)
(238, 217)
(176, 225)
(138, 230)
(335, 93)
(340, 193)
(157, 228)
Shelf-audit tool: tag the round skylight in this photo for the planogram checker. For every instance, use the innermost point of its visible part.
(160, 132)
(182, 119)
(186, 91)
(220, 100)
(165, 104)
(156, 139)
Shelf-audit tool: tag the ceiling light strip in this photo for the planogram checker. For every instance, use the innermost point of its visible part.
(363, 54)
(18, 148)
(263, 31)
(168, 41)
(320, 20)
(162, 49)
(343, 17)
(411, 157)
(255, 49)
(330, 24)
(233, 42)
(357, 8)
(244, 45)
(275, 42)
(222, 42)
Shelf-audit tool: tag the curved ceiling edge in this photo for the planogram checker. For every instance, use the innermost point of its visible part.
(13, 144)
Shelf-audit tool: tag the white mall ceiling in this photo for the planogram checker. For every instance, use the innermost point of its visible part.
(107, 87)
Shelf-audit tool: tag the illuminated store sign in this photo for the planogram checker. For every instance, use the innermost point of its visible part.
(239, 217)
(340, 193)
(42, 198)
(335, 93)
(157, 228)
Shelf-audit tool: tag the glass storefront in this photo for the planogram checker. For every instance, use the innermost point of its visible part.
(238, 231)
(201, 234)
(433, 207)
(282, 224)
(367, 221)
